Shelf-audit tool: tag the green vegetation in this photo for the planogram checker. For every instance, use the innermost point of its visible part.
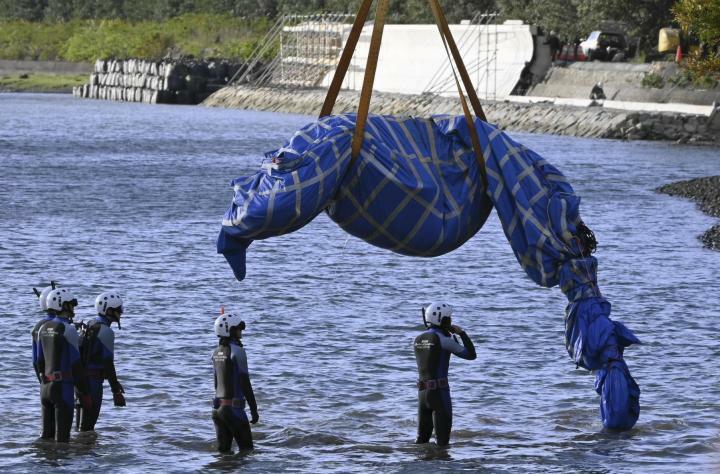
(701, 18)
(37, 82)
(86, 40)
(82, 30)
(653, 80)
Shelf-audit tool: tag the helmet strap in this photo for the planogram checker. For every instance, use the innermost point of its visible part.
(113, 316)
(424, 318)
(445, 323)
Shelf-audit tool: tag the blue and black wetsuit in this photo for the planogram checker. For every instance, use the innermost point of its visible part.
(98, 352)
(59, 363)
(232, 390)
(432, 353)
(36, 330)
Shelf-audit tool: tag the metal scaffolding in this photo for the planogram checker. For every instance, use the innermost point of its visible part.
(482, 65)
(308, 47)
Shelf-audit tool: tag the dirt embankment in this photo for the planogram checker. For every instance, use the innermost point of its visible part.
(706, 192)
(596, 122)
(41, 76)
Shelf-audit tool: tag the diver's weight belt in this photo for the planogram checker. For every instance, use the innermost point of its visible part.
(432, 384)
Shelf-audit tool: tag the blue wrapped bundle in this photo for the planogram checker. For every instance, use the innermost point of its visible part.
(595, 342)
(619, 396)
(416, 189)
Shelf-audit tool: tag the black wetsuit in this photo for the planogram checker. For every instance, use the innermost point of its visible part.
(35, 343)
(232, 390)
(59, 363)
(597, 93)
(98, 352)
(432, 353)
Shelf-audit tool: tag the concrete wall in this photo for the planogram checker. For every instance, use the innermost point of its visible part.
(621, 82)
(412, 55)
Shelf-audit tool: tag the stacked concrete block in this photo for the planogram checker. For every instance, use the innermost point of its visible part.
(156, 82)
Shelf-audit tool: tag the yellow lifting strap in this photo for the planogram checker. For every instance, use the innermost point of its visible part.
(371, 67)
(345, 58)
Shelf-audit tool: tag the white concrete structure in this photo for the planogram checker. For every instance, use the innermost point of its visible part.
(688, 109)
(413, 60)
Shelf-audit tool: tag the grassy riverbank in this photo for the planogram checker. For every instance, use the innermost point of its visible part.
(199, 35)
(40, 82)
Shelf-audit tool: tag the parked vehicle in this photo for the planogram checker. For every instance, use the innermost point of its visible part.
(604, 45)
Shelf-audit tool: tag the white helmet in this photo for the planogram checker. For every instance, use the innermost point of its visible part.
(225, 322)
(108, 300)
(57, 297)
(435, 312)
(42, 296)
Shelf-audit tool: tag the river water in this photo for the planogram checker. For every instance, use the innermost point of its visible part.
(102, 195)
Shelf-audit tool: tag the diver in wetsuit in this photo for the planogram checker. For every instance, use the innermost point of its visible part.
(432, 354)
(47, 316)
(97, 350)
(59, 364)
(232, 386)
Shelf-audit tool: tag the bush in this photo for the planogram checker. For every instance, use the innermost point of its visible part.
(653, 80)
(202, 36)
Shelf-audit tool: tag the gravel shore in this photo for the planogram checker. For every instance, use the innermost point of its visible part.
(597, 122)
(706, 192)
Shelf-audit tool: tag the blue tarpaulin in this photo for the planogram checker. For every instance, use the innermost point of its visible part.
(415, 189)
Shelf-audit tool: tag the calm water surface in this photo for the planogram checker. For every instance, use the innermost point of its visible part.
(102, 195)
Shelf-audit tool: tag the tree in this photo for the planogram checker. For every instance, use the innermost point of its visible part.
(30, 10)
(58, 10)
(701, 18)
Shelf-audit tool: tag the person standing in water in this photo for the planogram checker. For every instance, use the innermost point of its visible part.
(97, 350)
(61, 369)
(47, 316)
(232, 386)
(432, 354)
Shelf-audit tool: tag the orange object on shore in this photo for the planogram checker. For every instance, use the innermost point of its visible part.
(678, 54)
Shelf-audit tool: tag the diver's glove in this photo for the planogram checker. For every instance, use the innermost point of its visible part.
(118, 397)
(254, 416)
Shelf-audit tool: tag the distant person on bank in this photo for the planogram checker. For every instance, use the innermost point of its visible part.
(432, 354)
(555, 46)
(232, 386)
(597, 92)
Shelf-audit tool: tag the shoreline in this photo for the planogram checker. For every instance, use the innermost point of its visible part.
(580, 121)
(705, 192)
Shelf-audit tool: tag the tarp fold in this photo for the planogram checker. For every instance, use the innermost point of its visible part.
(416, 189)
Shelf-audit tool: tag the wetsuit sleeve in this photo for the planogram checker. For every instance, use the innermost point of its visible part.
(35, 348)
(106, 337)
(469, 347)
(39, 359)
(76, 366)
(244, 378)
(466, 350)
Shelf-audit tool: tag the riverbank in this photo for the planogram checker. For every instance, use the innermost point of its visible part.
(40, 82)
(706, 193)
(591, 121)
(42, 76)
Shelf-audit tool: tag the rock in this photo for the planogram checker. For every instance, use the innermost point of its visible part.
(706, 192)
